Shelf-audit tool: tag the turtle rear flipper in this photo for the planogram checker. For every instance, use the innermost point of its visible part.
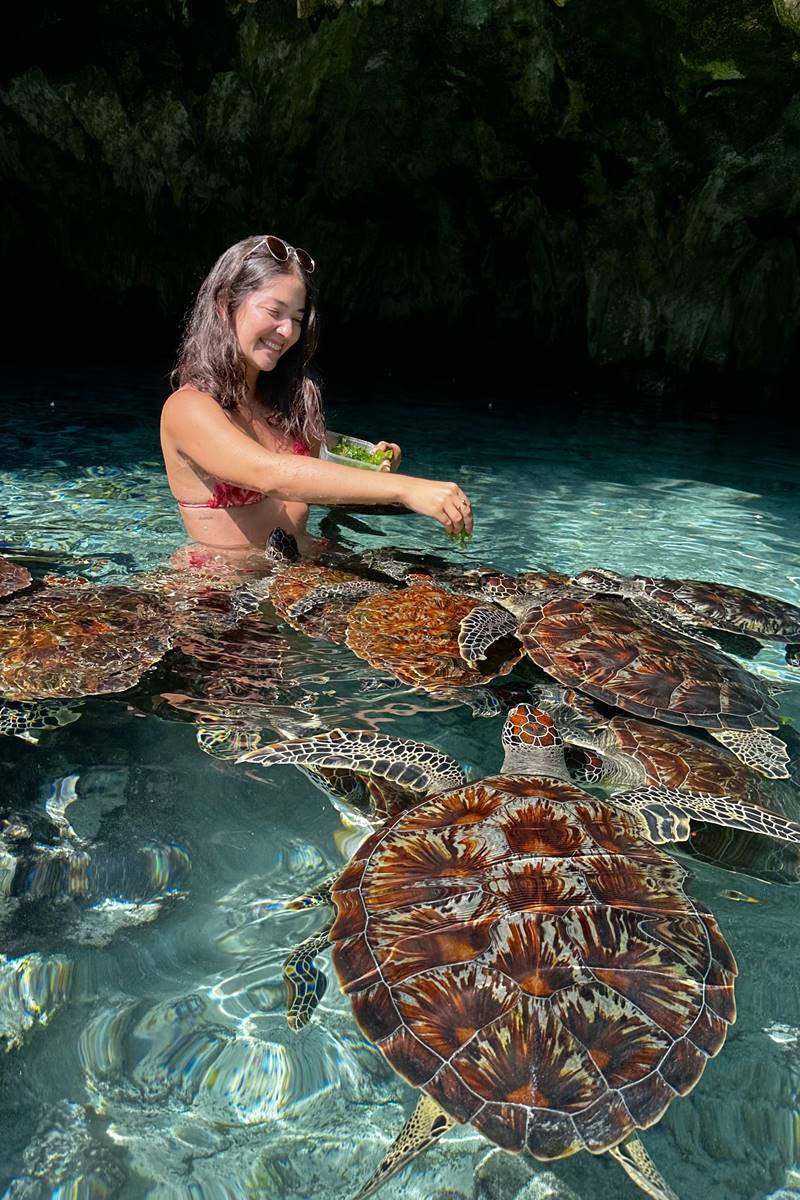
(411, 766)
(481, 628)
(639, 1166)
(427, 1124)
(756, 748)
(667, 812)
(305, 983)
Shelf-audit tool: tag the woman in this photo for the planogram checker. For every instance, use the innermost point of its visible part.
(242, 432)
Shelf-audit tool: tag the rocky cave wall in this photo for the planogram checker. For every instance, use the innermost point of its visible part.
(616, 180)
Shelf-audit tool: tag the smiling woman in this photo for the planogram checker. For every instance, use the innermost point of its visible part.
(241, 434)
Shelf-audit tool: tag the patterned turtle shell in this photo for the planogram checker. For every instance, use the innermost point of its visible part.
(66, 643)
(602, 647)
(517, 952)
(13, 578)
(413, 634)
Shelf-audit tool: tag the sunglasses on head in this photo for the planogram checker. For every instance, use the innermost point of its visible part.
(280, 251)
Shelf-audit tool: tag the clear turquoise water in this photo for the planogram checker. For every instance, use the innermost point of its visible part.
(165, 1068)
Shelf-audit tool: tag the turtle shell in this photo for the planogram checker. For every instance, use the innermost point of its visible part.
(413, 634)
(723, 606)
(602, 647)
(517, 952)
(66, 643)
(13, 578)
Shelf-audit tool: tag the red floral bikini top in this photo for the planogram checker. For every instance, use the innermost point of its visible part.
(228, 495)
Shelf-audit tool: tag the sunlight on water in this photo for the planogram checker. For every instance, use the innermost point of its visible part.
(144, 874)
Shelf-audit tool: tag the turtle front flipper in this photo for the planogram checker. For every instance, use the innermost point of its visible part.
(305, 983)
(334, 593)
(28, 720)
(481, 628)
(426, 1125)
(639, 1166)
(756, 748)
(417, 769)
(666, 813)
(670, 619)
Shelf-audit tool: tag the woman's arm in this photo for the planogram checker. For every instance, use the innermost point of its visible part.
(194, 425)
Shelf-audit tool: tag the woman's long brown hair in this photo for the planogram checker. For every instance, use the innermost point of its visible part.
(211, 360)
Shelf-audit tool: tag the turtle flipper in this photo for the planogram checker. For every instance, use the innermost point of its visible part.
(412, 766)
(248, 598)
(426, 1125)
(481, 628)
(305, 983)
(639, 1166)
(585, 766)
(756, 748)
(316, 897)
(667, 812)
(668, 618)
(793, 654)
(29, 719)
(329, 593)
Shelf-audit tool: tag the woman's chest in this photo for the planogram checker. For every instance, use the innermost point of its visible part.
(261, 430)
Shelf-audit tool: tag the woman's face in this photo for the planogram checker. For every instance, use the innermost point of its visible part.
(268, 321)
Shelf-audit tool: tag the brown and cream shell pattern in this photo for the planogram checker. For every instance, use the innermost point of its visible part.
(413, 634)
(603, 648)
(519, 954)
(66, 643)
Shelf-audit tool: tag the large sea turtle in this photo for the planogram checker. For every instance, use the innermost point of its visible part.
(600, 645)
(692, 605)
(517, 952)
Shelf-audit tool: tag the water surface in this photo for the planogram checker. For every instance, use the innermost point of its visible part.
(153, 944)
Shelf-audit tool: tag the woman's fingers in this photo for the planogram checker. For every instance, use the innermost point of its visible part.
(445, 502)
(394, 462)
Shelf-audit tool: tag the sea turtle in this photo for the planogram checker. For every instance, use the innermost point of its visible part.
(316, 597)
(692, 605)
(600, 645)
(413, 634)
(517, 952)
(61, 643)
(13, 578)
(641, 763)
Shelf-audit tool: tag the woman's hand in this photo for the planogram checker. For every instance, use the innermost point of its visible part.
(445, 502)
(390, 464)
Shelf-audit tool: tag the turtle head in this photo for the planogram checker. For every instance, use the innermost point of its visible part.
(598, 579)
(281, 547)
(532, 744)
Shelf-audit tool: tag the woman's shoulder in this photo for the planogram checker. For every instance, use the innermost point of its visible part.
(190, 403)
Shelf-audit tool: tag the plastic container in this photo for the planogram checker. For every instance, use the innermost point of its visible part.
(332, 438)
